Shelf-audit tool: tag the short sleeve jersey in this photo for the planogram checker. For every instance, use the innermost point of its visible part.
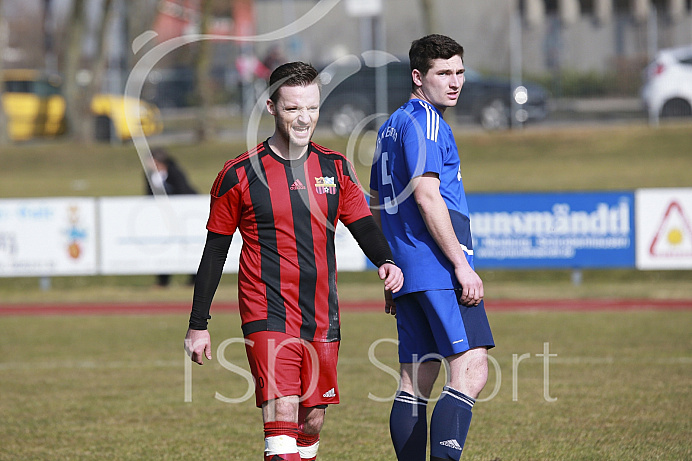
(287, 212)
(416, 140)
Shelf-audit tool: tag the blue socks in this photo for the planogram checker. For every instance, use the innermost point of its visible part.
(449, 425)
(408, 426)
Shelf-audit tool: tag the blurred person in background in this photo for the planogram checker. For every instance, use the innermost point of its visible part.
(273, 58)
(286, 196)
(419, 200)
(165, 177)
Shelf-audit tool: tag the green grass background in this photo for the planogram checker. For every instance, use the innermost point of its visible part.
(113, 388)
(610, 157)
(107, 387)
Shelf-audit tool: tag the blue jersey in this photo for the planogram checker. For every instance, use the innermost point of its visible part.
(416, 140)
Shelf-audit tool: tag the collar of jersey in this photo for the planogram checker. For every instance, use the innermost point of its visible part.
(427, 104)
(291, 163)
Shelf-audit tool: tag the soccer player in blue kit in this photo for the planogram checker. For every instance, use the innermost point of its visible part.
(419, 200)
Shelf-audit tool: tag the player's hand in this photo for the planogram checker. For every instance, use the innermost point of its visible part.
(389, 304)
(198, 345)
(392, 276)
(471, 286)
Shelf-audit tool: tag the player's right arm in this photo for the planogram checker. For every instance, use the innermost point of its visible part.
(197, 339)
(433, 209)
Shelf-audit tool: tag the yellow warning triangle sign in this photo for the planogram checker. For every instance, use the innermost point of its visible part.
(674, 235)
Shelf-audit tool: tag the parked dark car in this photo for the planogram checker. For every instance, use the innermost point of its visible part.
(349, 97)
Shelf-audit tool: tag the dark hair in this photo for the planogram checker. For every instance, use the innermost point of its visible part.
(160, 154)
(291, 74)
(424, 50)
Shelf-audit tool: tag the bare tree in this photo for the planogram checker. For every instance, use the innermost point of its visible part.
(103, 45)
(78, 94)
(140, 18)
(205, 128)
(75, 101)
(429, 17)
(4, 34)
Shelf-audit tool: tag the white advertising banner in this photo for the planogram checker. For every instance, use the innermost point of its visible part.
(47, 237)
(349, 256)
(148, 235)
(664, 228)
(166, 235)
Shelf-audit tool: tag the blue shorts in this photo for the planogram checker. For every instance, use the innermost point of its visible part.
(435, 323)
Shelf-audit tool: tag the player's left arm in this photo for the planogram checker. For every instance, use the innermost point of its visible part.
(435, 213)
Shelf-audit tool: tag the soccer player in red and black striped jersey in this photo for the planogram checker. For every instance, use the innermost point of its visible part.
(285, 197)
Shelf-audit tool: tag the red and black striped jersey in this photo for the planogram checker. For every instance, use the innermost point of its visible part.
(287, 212)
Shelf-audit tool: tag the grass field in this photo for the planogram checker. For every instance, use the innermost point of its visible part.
(500, 284)
(114, 388)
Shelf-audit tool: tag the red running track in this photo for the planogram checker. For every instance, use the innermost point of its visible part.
(498, 305)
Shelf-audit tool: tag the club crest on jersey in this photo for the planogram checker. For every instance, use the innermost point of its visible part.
(325, 185)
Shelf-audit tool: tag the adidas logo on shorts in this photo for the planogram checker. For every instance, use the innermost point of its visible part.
(329, 393)
(451, 443)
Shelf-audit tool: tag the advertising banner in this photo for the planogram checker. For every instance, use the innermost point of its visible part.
(166, 235)
(349, 256)
(553, 230)
(664, 228)
(47, 236)
(148, 235)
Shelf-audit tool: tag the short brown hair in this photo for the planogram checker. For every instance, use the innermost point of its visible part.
(424, 50)
(291, 74)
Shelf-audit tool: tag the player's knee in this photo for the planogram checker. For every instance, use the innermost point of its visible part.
(419, 379)
(471, 375)
(281, 409)
(471, 386)
(476, 384)
(312, 420)
(477, 376)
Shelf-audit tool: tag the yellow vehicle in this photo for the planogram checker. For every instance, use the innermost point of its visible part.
(33, 105)
(35, 108)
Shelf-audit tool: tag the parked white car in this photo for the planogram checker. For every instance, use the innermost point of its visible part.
(667, 91)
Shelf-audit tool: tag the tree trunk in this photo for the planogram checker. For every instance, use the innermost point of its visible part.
(4, 33)
(205, 129)
(429, 17)
(140, 18)
(78, 95)
(98, 68)
(76, 102)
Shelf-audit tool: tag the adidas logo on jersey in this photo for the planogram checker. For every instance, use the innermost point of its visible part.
(451, 443)
(297, 185)
(329, 393)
